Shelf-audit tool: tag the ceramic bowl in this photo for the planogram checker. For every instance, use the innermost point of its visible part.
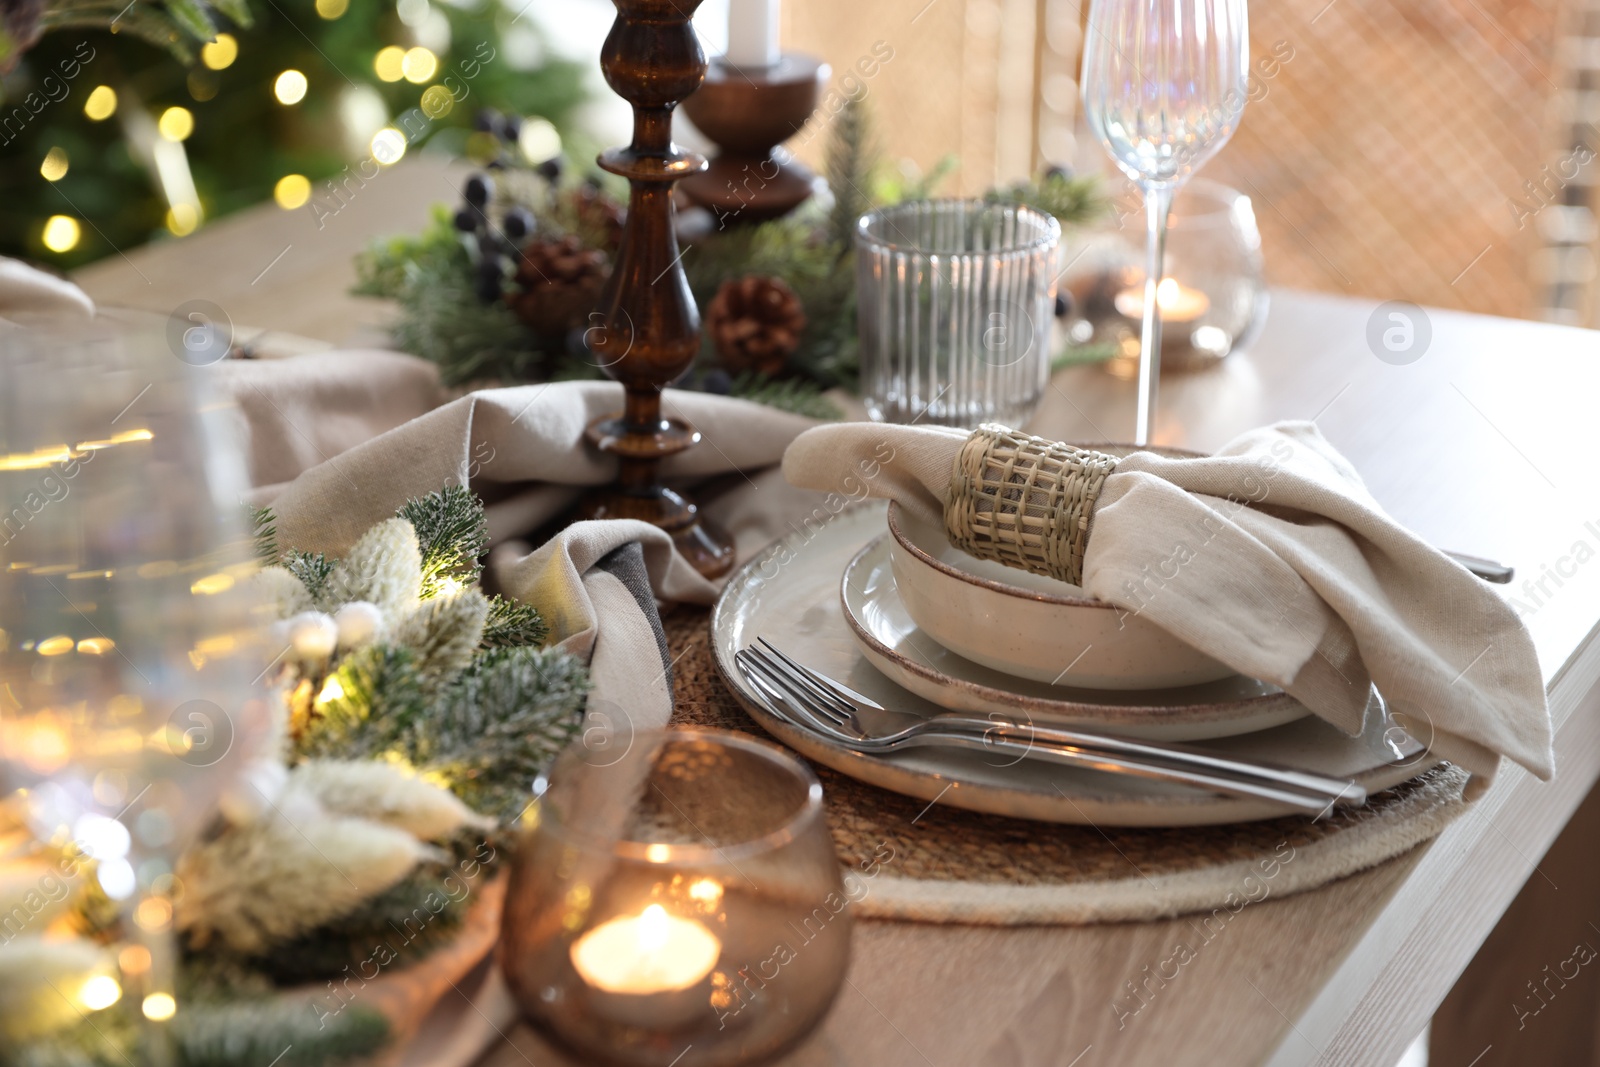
(1029, 625)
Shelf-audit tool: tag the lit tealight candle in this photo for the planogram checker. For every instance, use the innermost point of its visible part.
(652, 952)
(1177, 302)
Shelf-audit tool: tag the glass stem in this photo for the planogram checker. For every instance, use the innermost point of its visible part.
(1157, 204)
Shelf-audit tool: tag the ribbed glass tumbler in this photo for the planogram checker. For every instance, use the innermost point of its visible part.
(956, 302)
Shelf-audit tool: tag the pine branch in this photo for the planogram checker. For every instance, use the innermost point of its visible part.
(501, 725)
(285, 1031)
(313, 570)
(441, 319)
(451, 532)
(799, 395)
(381, 698)
(220, 1028)
(513, 625)
(851, 158)
(1074, 201)
(264, 532)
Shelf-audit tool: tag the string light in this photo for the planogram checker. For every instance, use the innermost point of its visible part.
(176, 123)
(220, 54)
(292, 191)
(61, 233)
(388, 145)
(332, 9)
(389, 63)
(419, 65)
(102, 103)
(54, 167)
(290, 88)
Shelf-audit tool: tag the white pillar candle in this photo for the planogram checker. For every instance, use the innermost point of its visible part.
(753, 33)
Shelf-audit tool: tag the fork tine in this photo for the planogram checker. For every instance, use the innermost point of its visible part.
(791, 694)
(836, 688)
(801, 676)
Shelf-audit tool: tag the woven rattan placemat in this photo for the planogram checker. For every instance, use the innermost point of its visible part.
(942, 864)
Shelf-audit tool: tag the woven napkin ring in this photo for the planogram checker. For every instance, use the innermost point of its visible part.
(1024, 501)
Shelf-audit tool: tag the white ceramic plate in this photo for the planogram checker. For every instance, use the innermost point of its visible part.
(789, 593)
(893, 643)
(1031, 626)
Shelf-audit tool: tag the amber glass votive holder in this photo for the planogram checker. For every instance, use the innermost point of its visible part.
(678, 904)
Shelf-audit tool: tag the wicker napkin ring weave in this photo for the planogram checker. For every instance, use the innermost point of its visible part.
(1024, 501)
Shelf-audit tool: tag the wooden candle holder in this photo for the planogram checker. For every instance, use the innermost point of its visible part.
(748, 112)
(648, 333)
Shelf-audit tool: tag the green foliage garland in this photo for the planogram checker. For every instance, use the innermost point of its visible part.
(445, 315)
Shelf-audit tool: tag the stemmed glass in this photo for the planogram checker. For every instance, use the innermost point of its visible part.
(1164, 84)
(130, 656)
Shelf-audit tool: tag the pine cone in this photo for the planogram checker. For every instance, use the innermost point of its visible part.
(558, 285)
(755, 324)
(598, 216)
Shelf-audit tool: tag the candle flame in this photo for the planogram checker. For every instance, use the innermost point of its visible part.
(653, 928)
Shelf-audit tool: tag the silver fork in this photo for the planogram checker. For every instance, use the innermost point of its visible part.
(829, 707)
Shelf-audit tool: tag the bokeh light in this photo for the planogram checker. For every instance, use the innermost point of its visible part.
(292, 191)
(182, 219)
(159, 1007)
(419, 65)
(290, 88)
(61, 233)
(176, 123)
(388, 146)
(102, 103)
(220, 54)
(54, 167)
(389, 63)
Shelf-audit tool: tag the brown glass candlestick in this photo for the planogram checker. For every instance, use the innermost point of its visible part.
(649, 328)
(748, 112)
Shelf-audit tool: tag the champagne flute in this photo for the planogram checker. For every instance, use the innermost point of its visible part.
(1164, 84)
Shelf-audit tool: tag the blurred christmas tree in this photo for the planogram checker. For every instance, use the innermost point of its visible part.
(106, 142)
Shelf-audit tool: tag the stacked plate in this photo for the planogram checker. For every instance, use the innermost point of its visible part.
(881, 602)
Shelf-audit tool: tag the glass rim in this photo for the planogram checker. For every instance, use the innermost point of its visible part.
(702, 853)
(1050, 236)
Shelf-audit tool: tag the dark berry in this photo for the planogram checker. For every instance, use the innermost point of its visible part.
(487, 288)
(717, 381)
(1057, 172)
(466, 219)
(478, 190)
(511, 127)
(517, 224)
(496, 164)
(550, 169)
(486, 120)
(1063, 305)
(592, 184)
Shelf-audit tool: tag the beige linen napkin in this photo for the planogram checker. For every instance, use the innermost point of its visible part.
(1272, 557)
(523, 449)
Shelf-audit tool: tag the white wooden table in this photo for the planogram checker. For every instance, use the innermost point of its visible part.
(1484, 445)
